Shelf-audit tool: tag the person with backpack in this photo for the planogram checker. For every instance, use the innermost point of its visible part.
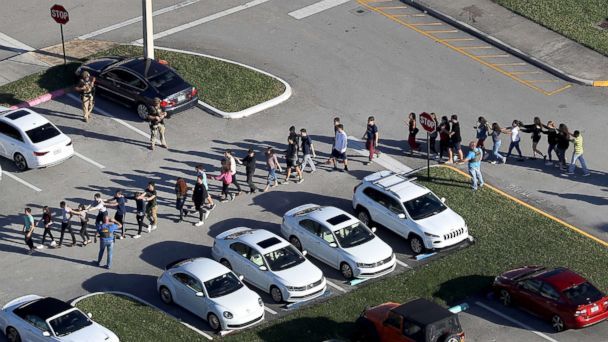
(473, 159)
(47, 222)
(308, 150)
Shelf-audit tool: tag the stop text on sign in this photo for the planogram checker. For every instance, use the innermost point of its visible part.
(59, 14)
(427, 122)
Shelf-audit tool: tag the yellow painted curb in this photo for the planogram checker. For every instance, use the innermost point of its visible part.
(600, 83)
(533, 208)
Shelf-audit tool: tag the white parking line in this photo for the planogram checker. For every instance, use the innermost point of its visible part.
(13, 44)
(512, 320)
(205, 20)
(316, 8)
(21, 181)
(269, 310)
(87, 159)
(402, 263)
(335, 286)
(137, 19)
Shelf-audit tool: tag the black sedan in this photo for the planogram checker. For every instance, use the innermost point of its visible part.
(137, 81)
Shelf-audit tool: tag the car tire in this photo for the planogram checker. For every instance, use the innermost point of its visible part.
(450, 338)
(12, 335)
(165, 295)
(20, 161)
(276, 294)
(346, 270)
(295, 242)
(365, 331)
(558, 323)
(214, 322)
(142, 111)
(505, 297)
(416, 244)
(364, 217)
(226, 263)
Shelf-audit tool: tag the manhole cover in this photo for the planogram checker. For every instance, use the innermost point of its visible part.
(359, 11)
(603, 24)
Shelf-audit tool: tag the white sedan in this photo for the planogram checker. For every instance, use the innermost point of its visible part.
(269, 263)
(212, 292)
(339, 240)
(33, 318)
(32, 141)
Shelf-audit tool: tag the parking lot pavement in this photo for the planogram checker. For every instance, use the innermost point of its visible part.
(487, 320)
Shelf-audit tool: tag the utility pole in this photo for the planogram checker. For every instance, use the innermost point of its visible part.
(148, 29)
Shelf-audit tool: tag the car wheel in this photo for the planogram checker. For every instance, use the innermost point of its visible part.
(20, 162)
(365, 330)
(505, 298)
(276, 294)
(226, 263)
(142, 111)
(296, 243)
(214, 322)
(558, 323)
(363, 216)
(165, 295)
(416, 244)
(12, 335)
(451, 338)
(346, 270)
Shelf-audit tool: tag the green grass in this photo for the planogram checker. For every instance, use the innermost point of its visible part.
(507, 235)
(575, 19)
(135, 322)
(225, 86)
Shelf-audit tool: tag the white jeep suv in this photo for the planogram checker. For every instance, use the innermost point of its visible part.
(412, 211)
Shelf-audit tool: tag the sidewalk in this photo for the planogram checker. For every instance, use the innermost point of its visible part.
(520, 36)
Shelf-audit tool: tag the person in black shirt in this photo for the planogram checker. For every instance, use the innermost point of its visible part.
(249, 162)
(551, 133)
(140, 204)
(199, 195)
(291, 158)
(47, 221)
(433, 136)
(308, 150)
(455, 140)
(371, 137)
(444, 136)
(563, 142)
(412, 131)
(536, 129)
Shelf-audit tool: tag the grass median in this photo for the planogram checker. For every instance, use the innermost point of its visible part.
(134, 322)
(507, 235)
(226, 86)
(576, 20)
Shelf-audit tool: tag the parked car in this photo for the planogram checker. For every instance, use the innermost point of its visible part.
(558, 295)
(137, 81)
(32, 141)
(34, 318)
(417, 321)
(212, 292)
(269, 263)
(409, 209)
(338, 239)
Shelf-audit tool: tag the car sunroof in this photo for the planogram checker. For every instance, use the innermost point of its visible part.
(269, 242)
(17, 115)
(338, 219)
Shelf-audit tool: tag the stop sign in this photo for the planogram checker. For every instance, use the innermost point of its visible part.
(59, 14)
(427, 122)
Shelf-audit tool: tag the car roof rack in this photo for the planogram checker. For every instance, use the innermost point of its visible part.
(237, 234)
(400, 179)
(308, 210)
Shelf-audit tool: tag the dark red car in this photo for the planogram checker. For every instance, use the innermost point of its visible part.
(556, 294)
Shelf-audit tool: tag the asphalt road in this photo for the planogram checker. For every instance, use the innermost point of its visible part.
(346, 61)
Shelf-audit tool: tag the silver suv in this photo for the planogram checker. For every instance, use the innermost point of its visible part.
(410, 210)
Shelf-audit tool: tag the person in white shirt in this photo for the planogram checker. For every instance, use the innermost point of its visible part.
(99, 205)
(66, 224)
(232, 164)
(514, 130)
(338, 152)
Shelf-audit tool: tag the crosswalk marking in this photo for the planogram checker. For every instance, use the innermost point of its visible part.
(316, 8)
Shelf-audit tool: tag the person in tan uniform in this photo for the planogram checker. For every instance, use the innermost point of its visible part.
(156, 117)
(86, 87)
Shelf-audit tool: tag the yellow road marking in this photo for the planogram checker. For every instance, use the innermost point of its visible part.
(509, 64)
(524, 72)
(390, 7)
(493, 56)
(475, 47)
(560, 89)
(445, 42)
(542, 81)
(410, 15)
(428, 24)
(373, 1)
(600, 83)
(533, 208)
(455, 40)
(438, 31)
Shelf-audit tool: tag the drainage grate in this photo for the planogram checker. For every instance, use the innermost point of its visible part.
(359, 11)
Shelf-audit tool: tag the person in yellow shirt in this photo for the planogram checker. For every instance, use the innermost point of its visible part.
(577, 139)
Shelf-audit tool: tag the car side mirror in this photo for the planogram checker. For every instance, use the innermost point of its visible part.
(401, 216)
(374, 229)
(90, 315)
(333, 245)
(263, 268)
(442, 199)
(241, 277)
(200, 294)
(304, 252)
(46, 334)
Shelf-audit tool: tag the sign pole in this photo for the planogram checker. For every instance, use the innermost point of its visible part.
(62, 44)
(428, 156)
(148, 29)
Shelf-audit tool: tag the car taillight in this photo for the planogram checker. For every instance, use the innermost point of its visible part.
(164, 103)
(40, 154)
(193, 92)
(69, 144)
(580, 312)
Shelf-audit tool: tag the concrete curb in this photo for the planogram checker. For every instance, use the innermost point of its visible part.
(503, 46)
(139, 300)
(42, 98)
(245, 112)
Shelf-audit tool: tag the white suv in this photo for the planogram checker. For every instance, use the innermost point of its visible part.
(412, 211)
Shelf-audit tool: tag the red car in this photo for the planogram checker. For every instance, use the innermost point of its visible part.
(555, 294)
(417, 321)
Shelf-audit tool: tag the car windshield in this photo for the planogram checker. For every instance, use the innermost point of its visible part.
(42, 133)
(69, 322)
(166, 80)
(353, 235)
(223, 285)
(584, 293)
(424, 206)
(283, 258)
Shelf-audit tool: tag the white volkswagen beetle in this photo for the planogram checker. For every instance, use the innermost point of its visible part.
(212, 292)
(33, 318)
(269, 263)
(339, 240)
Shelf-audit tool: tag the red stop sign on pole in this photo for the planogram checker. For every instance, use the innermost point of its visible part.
(427, 122)
(59, 14)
